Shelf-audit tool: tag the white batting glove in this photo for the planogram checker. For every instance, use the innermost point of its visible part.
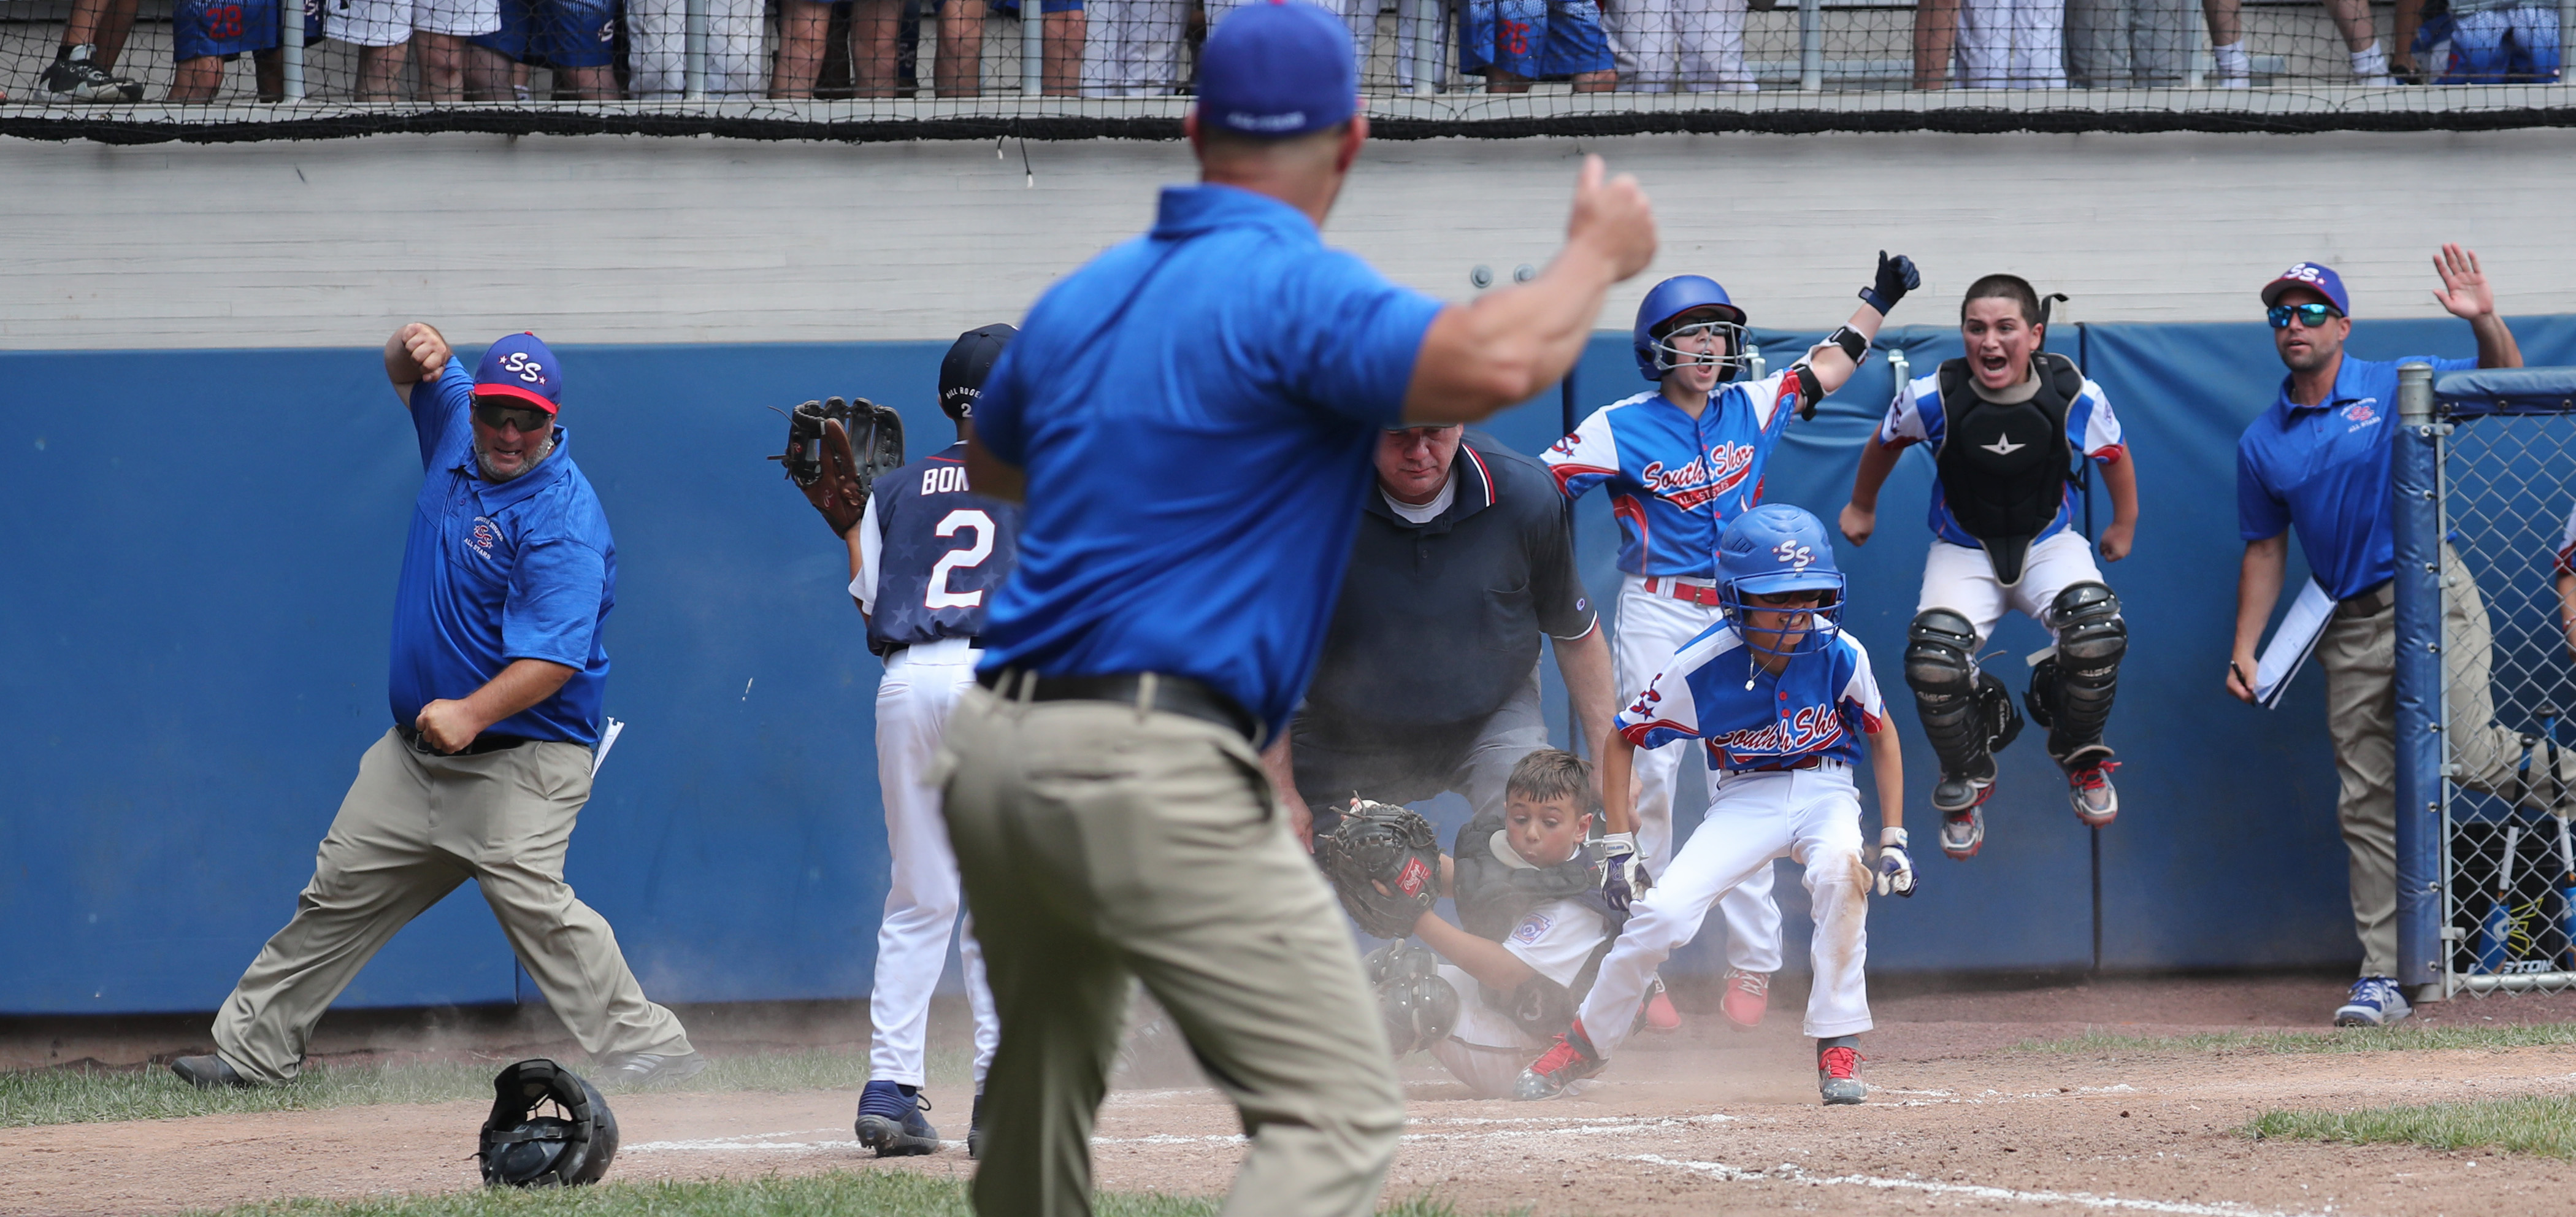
(1895, 869)
(1623, 877)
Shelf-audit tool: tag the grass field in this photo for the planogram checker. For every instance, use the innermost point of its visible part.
(78, 1096)
(2400, 1038)
(2531, 1125)
(858, 1193)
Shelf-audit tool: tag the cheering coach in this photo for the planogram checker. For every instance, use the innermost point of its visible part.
(1188, 419)
(1429, 678)
(497, 677)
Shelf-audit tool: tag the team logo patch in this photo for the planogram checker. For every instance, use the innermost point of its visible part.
(1414, 877)
(1793, 555)
(2305, 272)
(2361, 411)
(485, 533)
(1720, 470)
(1531, 928)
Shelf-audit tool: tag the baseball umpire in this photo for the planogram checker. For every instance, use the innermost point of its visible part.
(498, 672)
(1429, 678)
(925, 559)
(1188, 418)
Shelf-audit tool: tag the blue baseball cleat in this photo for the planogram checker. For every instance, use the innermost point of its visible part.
(2376, 1002)
(890, 1121)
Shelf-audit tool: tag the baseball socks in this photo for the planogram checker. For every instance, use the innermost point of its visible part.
(2235, 67)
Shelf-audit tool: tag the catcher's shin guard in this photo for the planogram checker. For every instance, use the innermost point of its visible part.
(1940, 669)
(2071, 691)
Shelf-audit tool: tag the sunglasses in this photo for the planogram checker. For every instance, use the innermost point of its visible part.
(2309, 315)
(1804, 599)
(528, 419)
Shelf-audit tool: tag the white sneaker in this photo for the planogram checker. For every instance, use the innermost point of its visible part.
(2376, 1002)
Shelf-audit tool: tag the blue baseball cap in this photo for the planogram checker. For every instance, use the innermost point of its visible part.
(520, 366)
(1276, 70)
(2319, 279)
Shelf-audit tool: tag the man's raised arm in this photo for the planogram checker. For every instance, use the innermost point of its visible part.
(415, 353)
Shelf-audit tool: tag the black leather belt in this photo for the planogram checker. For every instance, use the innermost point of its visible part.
(1171, 694)
(489, 741)
(2371, 603)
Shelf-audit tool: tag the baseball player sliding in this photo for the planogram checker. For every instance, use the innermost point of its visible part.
(925, 558)
(2006, 425)
(1678, 463)
(1778, 695)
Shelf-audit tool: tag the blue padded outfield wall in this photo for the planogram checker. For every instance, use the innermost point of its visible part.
(201, 547)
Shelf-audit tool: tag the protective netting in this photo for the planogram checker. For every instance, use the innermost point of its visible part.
(141, 70)
(2506, 501)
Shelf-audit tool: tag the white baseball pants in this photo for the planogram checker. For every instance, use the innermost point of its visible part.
(1652, 628)
(2012, 44)
(657, 49)
(1963, 581)
(1132, 48)
(913, 702)
(1811, 815)
(1695, 46)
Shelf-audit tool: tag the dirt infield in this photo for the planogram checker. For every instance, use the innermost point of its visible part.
(1963, 1114)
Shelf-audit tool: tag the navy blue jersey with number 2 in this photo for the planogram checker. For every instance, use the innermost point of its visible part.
(932, 553)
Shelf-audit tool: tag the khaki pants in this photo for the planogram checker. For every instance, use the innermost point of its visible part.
(411, 829)
(2359, 655)
(1097, 842)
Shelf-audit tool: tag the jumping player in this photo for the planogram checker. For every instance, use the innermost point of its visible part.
(1777, 694)
(2006, 425)
(925, 559)
(1679, 462)
(1532, 923)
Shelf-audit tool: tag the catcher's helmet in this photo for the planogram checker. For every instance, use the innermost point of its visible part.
(1672, 298)
(523, 1149)
(969, 360)
(1418, 1005)
(1779, 548)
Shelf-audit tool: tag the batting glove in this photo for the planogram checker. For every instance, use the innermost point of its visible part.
(1622, 876)
(1896, 276)
(1895, 870)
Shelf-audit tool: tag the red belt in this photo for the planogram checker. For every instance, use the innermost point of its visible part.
(1678, 590)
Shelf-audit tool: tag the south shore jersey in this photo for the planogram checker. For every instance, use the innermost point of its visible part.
(1675, 481)
(1916, 417)
(1819, 705)
(1194, 412)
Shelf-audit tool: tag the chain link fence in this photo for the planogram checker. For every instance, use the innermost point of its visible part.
(2506, 760)
(139, 70)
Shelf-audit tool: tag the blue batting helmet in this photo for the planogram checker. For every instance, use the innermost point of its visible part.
(1778, 548)
(1672, 298)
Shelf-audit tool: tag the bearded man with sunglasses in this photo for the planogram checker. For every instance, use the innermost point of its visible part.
(497, 677)
(2317, 462)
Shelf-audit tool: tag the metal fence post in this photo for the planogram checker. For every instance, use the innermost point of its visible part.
(2416, 467)
(290, 50)
(1811, 45)
(693, 71)
(1428, 20)
(1032, 49)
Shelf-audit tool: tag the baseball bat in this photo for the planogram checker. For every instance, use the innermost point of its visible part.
(2496, 933)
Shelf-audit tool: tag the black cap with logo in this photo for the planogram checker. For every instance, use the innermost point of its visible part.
(969, 361)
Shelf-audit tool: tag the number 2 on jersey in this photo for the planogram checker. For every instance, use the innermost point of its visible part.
(964, 518)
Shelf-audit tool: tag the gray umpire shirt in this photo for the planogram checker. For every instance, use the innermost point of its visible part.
(1439, 622)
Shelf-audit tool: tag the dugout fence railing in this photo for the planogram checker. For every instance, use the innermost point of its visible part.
(222, 70)
(2485, 670)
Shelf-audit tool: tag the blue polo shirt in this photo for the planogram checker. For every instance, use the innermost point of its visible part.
(498, 572)
(1195, 412)
(2323, 469)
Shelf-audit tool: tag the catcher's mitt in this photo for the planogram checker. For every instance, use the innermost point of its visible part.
(1384, 862)
(836, 450)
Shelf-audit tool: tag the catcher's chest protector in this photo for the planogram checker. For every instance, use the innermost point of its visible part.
(1493, 895)
(2004, 468)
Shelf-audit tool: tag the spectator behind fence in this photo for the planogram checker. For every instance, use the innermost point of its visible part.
(384, 31)
(1513, 42)
(2485, 42)
(2318, 461)
(2113, 44)
(575, 39)
(1132, 48)
(657, 46)
(207, 34)
(2012, 44)
(1066, 33)
(1429, 675)
(84, 62)
(2351, 18)
(1663, 46)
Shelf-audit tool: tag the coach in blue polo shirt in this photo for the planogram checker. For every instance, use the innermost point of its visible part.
(1189, 419)
(497, 673)
(2317, 463)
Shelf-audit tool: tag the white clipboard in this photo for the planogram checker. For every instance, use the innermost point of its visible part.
(2292, 642)
(607, 740)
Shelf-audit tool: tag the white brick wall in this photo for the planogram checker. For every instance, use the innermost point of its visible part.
(698, 240)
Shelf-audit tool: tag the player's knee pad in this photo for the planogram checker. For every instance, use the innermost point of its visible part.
(1418, 1005)
(2072, 690)
(1939, 650)
(2090, 632)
